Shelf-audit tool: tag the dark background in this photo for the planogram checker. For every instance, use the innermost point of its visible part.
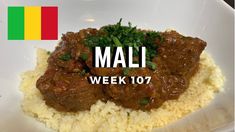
(230, 2)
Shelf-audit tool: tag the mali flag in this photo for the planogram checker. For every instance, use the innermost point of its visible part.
(32, 23)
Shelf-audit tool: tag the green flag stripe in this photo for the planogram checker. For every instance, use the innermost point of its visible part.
(15, 23)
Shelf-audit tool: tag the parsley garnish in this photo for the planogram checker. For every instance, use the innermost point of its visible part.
(65, 57)
(128, 114)
(48, 52)
(126, 36)
(84, 56)
(125, 71)
(151, 65)
(83, 72)
(144, 101)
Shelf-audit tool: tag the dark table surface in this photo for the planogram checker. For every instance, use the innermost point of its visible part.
(230, 2)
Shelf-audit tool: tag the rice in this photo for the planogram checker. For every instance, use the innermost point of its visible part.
(108, 117)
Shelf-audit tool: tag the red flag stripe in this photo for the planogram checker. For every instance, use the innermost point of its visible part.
(49, 21)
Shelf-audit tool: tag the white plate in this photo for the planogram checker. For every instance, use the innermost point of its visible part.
(211, 20)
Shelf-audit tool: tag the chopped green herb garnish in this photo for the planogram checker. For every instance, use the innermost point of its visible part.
(125, 36)
(125, 71)
(84, 56)
(144, 101)
(48, 52)
(65, 57)
(151, 65)
(128, 114)
(116, 42)
(83, 72)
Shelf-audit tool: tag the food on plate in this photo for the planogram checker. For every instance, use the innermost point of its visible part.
(172, 59)
(182, 80)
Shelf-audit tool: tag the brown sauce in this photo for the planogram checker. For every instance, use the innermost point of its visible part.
(65, 87)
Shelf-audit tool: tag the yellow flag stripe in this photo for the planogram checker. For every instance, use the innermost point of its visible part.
(32, 23)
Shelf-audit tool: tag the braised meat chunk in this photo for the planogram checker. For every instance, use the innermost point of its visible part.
(171, 59)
